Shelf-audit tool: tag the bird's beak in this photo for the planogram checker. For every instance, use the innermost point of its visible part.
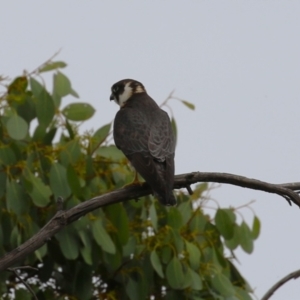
(112, 97)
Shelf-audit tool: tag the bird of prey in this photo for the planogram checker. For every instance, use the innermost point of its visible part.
(144, 134)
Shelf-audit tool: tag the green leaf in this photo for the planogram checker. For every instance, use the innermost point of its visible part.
(86, 249)
(153, 215)
(193, 255)
(155, 261)
(222, 284)
(70, 153)
(255, 228)
(53, 66)
(185, 209)
(45, 109)
(246, 240)
(174, 273)
(188, 104)
(36, 87)
(224, 223)
(17, 127)
(7, 156)
(99, 137)
(78, 111)
(39, 192)
(73, 181)
(15, 198)
(102, 238)
(129, 248)
(196, 282)
(118, 216)
(178, 240)
(74, 93)
(174, 218)
(68, 242)
(242, 294)
(111, 152)
(41, 252)
(58, 181)
(235, 240)
(62, 84)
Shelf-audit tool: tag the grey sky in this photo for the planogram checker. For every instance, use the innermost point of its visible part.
(238, 61)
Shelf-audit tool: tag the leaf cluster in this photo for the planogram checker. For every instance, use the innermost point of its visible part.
(133, 250)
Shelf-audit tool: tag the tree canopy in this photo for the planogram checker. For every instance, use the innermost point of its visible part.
(137, 249)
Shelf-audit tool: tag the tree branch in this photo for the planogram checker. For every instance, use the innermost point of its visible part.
(63, 218)
(281, 282)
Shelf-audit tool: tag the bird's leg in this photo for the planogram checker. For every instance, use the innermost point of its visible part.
(135, 181)
(136, 178)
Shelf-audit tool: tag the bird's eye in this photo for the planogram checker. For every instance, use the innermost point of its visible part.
(115, 89)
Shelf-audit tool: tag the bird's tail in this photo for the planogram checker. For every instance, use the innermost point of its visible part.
(168, 200)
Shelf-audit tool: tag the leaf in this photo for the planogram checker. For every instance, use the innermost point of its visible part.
(185, 209)
(53, 66)
(7, 156)
(188, 104)
(86, 249)
(74, 93)
(99, 136)
(175, 274)
(235, 240)
(246, 240)
(73, 181)
(255, 228)
(15, 198)
(19, 84)
(178, 240)
(111, 152)
(129, 248)
(117, 215)
(68, 243)
(17, 127)
(193, 255)
(102, 238)
(174, 218)
(62, 85)
(39, 192)
(36, 87)
(196, 282)
(153, 215)
(156, 264)
(222, 284)
(224, 223)
(70, 153)
(58, 181)
(45, 109)
(41, 252)
(78, 111)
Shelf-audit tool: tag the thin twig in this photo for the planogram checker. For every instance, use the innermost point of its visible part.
(15, 271)
(277, 285)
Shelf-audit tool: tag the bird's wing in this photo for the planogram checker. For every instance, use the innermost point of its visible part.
(131, 131)
(161, 143)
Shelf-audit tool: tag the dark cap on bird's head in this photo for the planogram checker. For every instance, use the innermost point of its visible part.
(122, 90)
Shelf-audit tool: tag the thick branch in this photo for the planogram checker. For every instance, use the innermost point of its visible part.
(281, 282)
(62, 218)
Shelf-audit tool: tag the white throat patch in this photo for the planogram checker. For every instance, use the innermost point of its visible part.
(125, 95)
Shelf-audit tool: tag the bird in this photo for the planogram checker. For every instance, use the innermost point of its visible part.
(143, 132)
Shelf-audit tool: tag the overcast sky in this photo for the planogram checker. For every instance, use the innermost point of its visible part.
(237, 61)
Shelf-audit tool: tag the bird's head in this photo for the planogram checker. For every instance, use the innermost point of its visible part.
(122, 90)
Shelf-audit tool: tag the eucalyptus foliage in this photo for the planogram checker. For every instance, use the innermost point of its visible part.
(134, 250)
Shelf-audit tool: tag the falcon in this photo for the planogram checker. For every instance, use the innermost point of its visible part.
(143, 132)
